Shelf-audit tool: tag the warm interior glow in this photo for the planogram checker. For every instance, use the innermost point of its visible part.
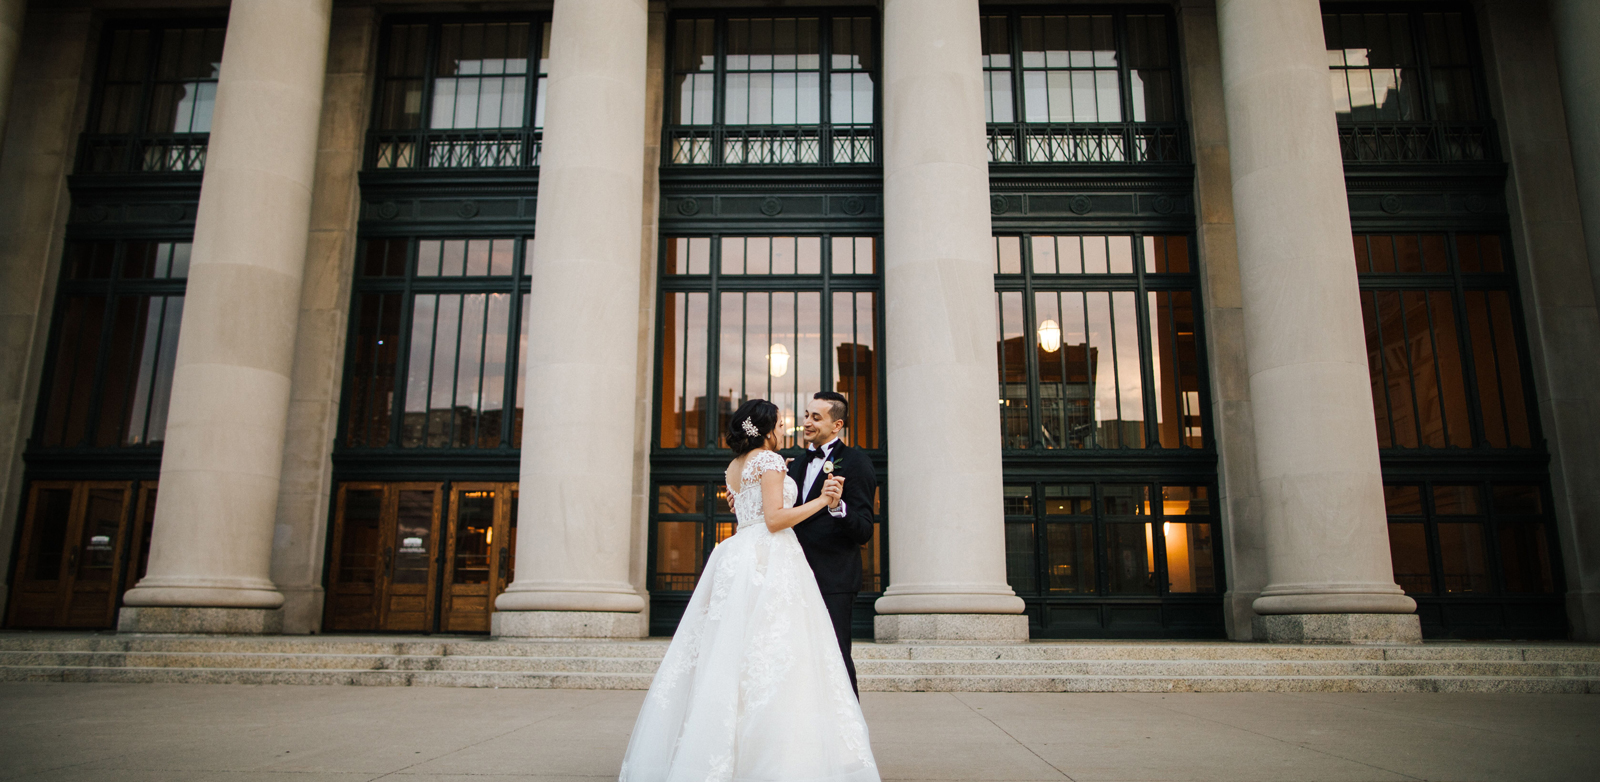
(1050, 336)
(488, 536)
(778, 360)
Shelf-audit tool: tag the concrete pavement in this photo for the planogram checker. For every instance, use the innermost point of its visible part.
(184, 732)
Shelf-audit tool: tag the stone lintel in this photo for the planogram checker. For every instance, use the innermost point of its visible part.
(1338, 628)
(951, 628)
(189, 619)
(567, 624)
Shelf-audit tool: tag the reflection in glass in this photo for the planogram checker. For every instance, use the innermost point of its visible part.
(1130, 559)
(1402, 500)
(683, 370)
(1175, 375)
(1464, 500)
(1069, 69)
(1517, 499)
(1525, 557)
(1499, 369)
(678, 555)
(1191, 559)
(102, 530)
(683, 498)
(1013, 371)
(754, 327)
(474, 536)
(855, 365)
(1408, 551)
(455, 377)
(413, 551)
(481, 77)
(1464, 561)
(358, 544)
(1070, 551)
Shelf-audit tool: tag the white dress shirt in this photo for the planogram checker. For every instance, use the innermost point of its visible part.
(814, 468)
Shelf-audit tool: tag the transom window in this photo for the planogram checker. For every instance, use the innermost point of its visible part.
(118, 313)
(1081, 88)
(157, 90)
(438, 333)
(1443, 342)
(1098, 343)
(460, 95)
(773, 90)
(1405, 86)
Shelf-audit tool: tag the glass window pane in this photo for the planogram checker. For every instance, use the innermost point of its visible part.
(1013, 371)
(1408, 551)
(413, 550)
(1403, 500)
(687, 498)
(1069, 500)
(1070, 553)
(1191, 558)
(1511, 499)
(358, 544)
(1130, 559)
(1458, 500)
(1019, 501)
(1022, 571)
(856, 363)
(679, 555)
(1525, 558)
(1463, 558)
(474, 531)
(51, 515)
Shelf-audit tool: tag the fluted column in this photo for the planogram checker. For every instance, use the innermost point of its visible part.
(211, 550)
(1329, 574)
(574, 519)
(947, 559)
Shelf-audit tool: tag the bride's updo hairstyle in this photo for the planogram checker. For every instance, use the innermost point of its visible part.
(749, 425)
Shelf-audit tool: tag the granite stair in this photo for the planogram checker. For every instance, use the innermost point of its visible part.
(1040, 666)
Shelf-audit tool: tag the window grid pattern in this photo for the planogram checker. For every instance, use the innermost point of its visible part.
(1098, 336)
(1096, 540)
(1471, 538)
(1406, 87)
(460, 95)
(766, 317)
(157, 89)
(438, 339)
(772, 91)
(1081, 88)
(1444, 351)
(119, 310)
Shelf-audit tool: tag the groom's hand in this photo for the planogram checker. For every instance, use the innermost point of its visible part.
(833, 489)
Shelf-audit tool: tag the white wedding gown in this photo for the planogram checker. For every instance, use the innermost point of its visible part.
(753, 687)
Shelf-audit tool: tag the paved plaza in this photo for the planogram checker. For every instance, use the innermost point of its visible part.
(182, 732)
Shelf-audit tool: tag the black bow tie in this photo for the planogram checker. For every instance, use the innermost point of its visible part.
(816, 453)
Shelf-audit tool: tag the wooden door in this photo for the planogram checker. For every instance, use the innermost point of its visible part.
(144, 522)
(384, 571)
(482, 544)
(74, 537)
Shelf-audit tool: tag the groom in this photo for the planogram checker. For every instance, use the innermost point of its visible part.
(832, 538)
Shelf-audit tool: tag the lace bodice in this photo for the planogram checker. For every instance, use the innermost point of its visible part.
(747, 499)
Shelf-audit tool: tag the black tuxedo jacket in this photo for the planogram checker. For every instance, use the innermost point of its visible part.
(833, 545)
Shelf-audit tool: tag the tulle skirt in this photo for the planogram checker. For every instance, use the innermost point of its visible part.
(753, 687)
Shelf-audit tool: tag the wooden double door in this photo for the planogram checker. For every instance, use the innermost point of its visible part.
(83, 544)
(420, 556)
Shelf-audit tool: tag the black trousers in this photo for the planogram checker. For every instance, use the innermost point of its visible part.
(841, 605)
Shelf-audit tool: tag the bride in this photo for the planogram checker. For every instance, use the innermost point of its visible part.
(753, 686)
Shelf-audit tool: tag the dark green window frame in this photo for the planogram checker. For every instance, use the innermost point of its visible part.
(1014, 140)
(373, 417)
(1439, 47)
(401, 145)
(137, 68)
(107, 390)
(1141, 283)
(716, 143)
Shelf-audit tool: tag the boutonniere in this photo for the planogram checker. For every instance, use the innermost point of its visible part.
(827, 466)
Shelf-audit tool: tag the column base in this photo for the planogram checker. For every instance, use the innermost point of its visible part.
(951, 628)
(192, 620)
(1337, 628)
(566, 624)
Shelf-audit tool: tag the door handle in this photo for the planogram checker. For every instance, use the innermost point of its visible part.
(505, 565)
(388, 558)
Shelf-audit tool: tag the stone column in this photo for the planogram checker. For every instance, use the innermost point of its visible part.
(577, 449)
(1326, 539)
(211, 550)
(947, 558)
(1551, 208)
(1577, 28)
(11, 12)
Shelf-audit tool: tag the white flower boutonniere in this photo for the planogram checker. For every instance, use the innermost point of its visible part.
(827, 466)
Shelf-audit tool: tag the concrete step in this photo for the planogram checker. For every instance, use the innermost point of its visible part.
(1049, 666)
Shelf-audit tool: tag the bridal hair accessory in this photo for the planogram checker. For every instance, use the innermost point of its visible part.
(749, 427)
